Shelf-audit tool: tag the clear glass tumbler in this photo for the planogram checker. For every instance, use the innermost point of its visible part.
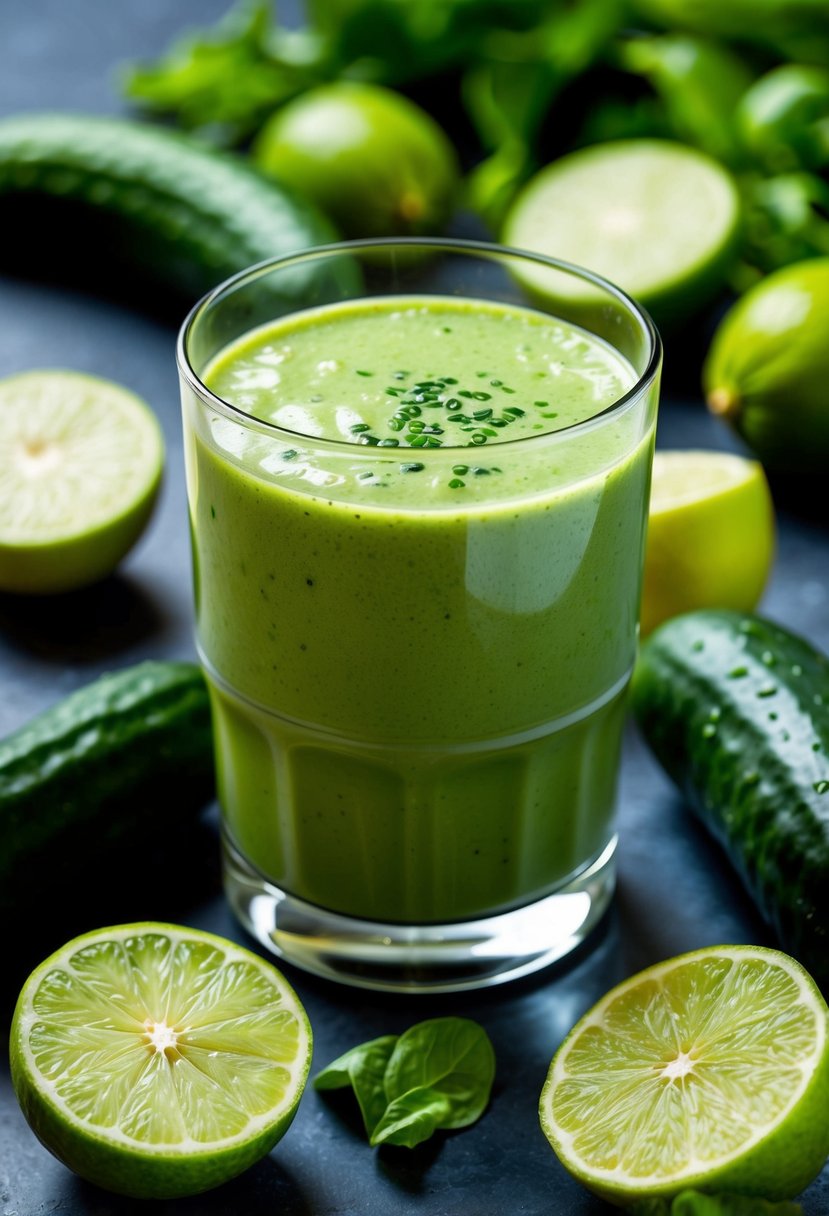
(418, 657)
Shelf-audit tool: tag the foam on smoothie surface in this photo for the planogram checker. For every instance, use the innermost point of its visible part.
(421, 373)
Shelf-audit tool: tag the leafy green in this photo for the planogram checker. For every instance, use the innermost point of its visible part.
(436, 1075)
(363, 1068)
(783, 118)
(694, 1203)
(226, 80)
(700, 83)
(510, 91)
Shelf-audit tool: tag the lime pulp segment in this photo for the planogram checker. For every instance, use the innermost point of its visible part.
(709, 1069)
(160, 1043)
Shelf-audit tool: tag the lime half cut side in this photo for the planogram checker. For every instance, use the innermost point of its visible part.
(711, 535)
(80, 466)
(158, 1061)
(658, 219)
(708, 1071)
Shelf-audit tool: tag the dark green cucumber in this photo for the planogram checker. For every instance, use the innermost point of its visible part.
(737, 711)
(97, 199)
(125, 758)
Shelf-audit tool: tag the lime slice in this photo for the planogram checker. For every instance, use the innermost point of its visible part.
(658, 219)
(710, 535)
(80, 466)
(710, 1071)
(156, 1060)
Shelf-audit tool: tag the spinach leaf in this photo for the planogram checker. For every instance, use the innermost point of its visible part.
(412, 1118)
(363, 1068)
(437, 1074)
(452, 1057)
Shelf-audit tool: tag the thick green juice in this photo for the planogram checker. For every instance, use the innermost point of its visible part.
(418, 636)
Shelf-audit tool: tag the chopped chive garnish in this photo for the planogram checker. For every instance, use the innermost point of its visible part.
(400, 375)
(482, 415)
(359, 427)
(482, 396)
(396, 424)
(456, 484)
(419, 441)
(389, 443)
(506, 389)
(496, 383)
(365, 373)
(478, 438)
(452, 403)
(465, 392)
(413, 466)
(460, 469)
(449, 380)
(542, 405)
(290, 454)
(479, 472)
(514, 411)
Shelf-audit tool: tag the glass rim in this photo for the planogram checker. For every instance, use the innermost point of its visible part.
(485, 249)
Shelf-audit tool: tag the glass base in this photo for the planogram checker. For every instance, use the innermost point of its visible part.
(420, 958)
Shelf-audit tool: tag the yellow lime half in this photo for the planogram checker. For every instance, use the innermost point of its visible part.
(709, 1071)
(658, 219)
(710, 535)
(156, 1060)
(80, 466)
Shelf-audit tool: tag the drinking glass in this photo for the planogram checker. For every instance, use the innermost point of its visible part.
(417, 698)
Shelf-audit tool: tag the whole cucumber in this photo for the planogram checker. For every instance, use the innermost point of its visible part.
(122, 761)
(737, 711)
(127, 204)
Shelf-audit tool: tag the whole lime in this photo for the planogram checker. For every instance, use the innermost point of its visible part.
(767, 370)
(371, 159)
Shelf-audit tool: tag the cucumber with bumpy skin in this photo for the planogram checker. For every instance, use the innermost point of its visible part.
(123, 759)
(737, 711)
(97, 198)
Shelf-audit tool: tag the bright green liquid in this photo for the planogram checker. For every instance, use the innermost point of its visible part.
(418, 683)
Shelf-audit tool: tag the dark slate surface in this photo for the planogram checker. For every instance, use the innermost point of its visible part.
(675, 890)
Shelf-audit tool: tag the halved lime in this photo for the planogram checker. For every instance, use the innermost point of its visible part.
(80, 466)
(156, 1060)
(710, 1070)
(710, 535)
(658, 219)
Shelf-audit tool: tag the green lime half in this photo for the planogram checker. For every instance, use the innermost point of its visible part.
(710, 1070)
(80, 466)
(658, 219)
(157, 1061)
(372, 160)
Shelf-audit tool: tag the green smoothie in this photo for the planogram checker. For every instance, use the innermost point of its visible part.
(417, 560)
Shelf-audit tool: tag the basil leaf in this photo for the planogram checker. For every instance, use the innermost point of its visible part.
(450, 1057)
(412, 1118)
(363, 1068)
